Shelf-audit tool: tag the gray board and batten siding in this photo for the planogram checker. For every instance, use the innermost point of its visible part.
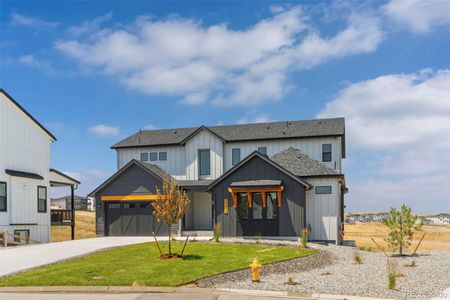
(291, 212)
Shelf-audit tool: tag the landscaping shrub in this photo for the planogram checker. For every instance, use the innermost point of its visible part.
(304, 237)
(216, 232)
(357, 258)
(392, 273)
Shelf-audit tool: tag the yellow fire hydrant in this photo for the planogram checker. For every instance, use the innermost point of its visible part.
(256, 267)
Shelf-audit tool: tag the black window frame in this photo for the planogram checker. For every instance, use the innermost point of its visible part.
(144, 154)
(327, 155)
(317, 192)
(39, 199)
(5, 198)
(200, 162)
(153, 155)
(233, 151)
(261, 152)
(162, 158)
(250, 210)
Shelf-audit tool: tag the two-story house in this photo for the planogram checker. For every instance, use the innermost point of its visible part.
(25, 173)
(265, 179)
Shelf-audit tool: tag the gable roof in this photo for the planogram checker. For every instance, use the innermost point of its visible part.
(301, 164)
(2, 91)
(149, 168)
(240, 132)
(266, 159)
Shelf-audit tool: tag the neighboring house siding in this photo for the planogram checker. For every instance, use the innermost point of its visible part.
(309, 146)
(24, 146)
(292, 211)
(175, 163)
(323, 210)
(204, 140)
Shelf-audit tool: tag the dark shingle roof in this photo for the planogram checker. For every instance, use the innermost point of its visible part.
(155, 170)
(242, 132)
(193, 183)
(301, 164)
(251, 183)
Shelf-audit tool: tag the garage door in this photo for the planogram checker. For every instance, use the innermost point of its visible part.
(132, 219)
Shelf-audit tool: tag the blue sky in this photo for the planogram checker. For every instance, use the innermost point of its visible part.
(96, 72)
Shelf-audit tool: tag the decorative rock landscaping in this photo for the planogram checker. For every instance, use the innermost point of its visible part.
(333, 271)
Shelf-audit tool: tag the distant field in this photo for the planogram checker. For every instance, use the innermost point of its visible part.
(437, 236)
(84, 227)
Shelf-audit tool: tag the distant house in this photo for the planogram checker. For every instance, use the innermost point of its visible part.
(366, 217)
(81, 203)
(25, 173)
(440, 219)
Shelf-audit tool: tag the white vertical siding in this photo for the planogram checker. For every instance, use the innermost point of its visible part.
(204, 140)
(310, 146)
(323, 210)
(24, 146)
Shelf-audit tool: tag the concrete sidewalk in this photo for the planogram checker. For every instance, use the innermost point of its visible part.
(18, 259)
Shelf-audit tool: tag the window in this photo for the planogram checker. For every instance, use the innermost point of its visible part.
(128, 205)
(326, 189)
(3, 196)
(114, 205)
(204, 163)
(242, 206)
(42, 198)
(271, 206)
(162, 155)
(235, 156)
(262, 150)
(257, 206)
(326, 152)
(154, 156)
(144, 156)
(24, 234)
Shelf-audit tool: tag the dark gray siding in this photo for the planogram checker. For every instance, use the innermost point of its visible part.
(292, 211)
(133, 181)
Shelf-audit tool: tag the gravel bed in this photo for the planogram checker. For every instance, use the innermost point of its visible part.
(333, 271)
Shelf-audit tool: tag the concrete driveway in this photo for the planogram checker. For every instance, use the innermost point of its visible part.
(13, 260)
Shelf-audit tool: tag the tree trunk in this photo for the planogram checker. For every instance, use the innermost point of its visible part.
(401, 236)
(170, 249)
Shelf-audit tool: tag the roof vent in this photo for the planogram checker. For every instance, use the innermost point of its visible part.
(268, 127)
(284, 132)
(174, 132)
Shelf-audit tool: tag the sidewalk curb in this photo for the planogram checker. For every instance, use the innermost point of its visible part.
(186, 290)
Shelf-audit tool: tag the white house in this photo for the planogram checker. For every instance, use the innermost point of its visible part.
(267, 179)
(25, 173)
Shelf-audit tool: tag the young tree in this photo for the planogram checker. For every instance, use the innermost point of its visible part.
(402, 228)
(171, 204)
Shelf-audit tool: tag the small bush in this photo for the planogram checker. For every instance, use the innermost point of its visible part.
(291, 281)
(392, 273)
(216, 232)
(304, 237)
(258, 239)
(357, 258)
(327, 273)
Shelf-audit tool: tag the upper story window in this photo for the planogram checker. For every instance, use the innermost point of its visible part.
(3, 196)
(162, 155)
(204, 162)
(326, 152)
(42, 198)
(153, 156)
(144, 156)
(235, 156)
(325, 189)
(262, 150)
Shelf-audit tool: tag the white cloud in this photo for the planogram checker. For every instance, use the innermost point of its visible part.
(90, 26)
(149, 127)
(260, 118)
(104, 130)
(403, 122)
(419, 16)
(34, 22)
(180, 57)
(30, 61)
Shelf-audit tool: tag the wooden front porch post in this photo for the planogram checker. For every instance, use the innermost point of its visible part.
(72, 201)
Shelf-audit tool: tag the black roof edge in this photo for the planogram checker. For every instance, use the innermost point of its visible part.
(23, 174)
(64, 175)
(120, 171)
(339, 175)
(268, 160)
(28, 114)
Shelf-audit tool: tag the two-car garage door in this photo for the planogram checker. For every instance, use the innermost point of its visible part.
(132, 219)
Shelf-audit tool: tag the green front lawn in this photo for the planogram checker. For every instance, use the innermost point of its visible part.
(140, 264)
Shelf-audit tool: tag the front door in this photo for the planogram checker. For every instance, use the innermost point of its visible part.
(258, 217)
